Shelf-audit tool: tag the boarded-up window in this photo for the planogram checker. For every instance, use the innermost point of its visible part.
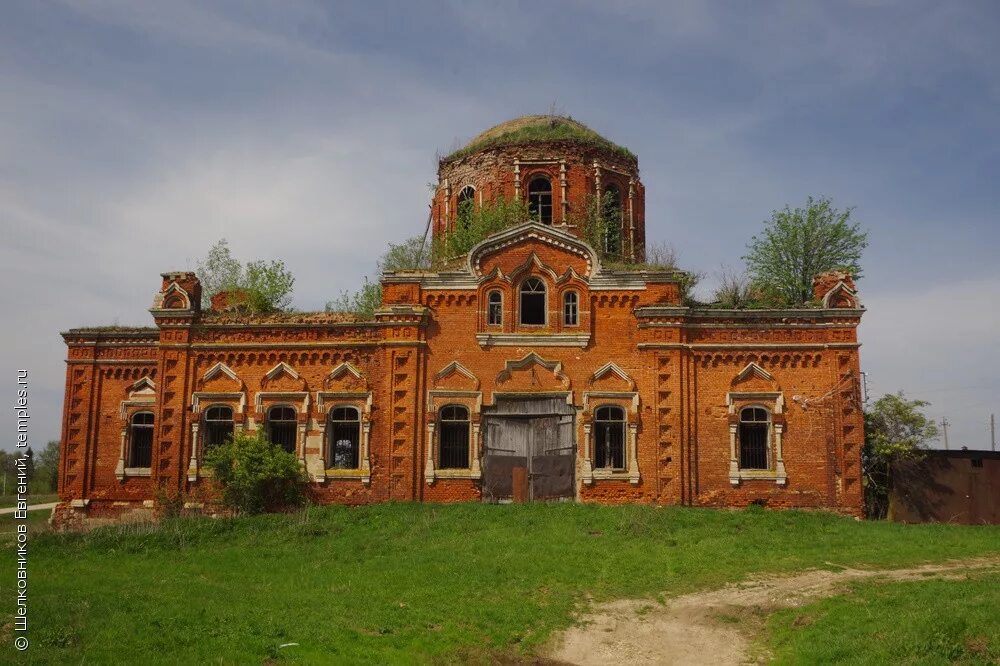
(454, 442)
(281, 427)
(345, 438)
(754, 426)
(141, 448)
(218, 426)
(533, 302)
(609, 438)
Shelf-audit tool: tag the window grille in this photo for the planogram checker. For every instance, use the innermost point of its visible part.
(454, 441)
(609, 438)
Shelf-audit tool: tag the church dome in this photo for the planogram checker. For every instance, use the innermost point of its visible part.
(538, 129)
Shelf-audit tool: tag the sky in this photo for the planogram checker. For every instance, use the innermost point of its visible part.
(134, 135)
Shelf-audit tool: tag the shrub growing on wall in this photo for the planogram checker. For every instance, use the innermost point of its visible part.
(256, 475)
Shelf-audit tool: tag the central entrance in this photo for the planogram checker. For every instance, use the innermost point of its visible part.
(529, 451)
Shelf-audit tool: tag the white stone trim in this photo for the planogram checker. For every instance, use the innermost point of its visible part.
(284, 396)
(632, 396)
(531, 229)
(222, 368)
(211, 397)
(588, 472)
(281, 368)
(488, 339)
(754, 369)
(774, 436)
(613, 367)
(325, 401)
(342, 368)
(449, 395)
(146, 402)
(454, 367)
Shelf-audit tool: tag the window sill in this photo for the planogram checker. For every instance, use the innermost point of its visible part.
(611, 475)
(539, 339)
(757, 475)
(341, 473)
(134, 472)
(456, 474)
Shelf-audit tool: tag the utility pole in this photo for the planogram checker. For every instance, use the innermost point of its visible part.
(944, 427)
(993, 432)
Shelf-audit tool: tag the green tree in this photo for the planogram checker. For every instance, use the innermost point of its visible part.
(264, 286)
(256, 475)
(798, 243)
(896, 429)
(734, 290)
(29, 464)
(48, 465)
(362, 303)
(411, 254)
(480, 222)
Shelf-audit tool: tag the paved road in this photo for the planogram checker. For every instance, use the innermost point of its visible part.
(31, 507)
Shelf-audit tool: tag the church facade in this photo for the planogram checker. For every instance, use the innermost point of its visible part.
(533, 368)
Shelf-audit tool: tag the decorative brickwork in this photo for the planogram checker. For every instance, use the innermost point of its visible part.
(681, 378)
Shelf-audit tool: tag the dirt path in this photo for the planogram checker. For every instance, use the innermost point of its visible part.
(691, 629)
(31, 507)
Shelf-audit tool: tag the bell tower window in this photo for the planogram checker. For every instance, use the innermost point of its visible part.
(612, 204)
(466, 206)
(540, 199)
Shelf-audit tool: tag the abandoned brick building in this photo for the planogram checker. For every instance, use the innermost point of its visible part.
(532, 368)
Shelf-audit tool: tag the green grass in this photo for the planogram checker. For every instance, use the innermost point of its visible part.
(413, 583)
(37, 522)
(915, 622)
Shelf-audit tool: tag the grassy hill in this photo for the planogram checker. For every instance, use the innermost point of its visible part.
(412, 583)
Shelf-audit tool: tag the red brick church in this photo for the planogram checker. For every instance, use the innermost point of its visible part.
(532, 368)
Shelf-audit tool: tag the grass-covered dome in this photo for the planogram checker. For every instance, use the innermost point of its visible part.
(532, 129)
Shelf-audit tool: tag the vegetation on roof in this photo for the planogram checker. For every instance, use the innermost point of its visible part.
(113, 328)
(531, 129)
(289, 317)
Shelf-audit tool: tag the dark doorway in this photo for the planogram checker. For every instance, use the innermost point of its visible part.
(535, 436)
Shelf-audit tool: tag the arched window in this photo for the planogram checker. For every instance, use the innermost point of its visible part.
(494, 305)
(533, 302)
(454, 441)
(140, 452)
(345, 438)
(466, 206)
(571, 309)
(540, 199)
(281, 426)
(612, 204)
(609, 438)
(755, 424)
(218, 426)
